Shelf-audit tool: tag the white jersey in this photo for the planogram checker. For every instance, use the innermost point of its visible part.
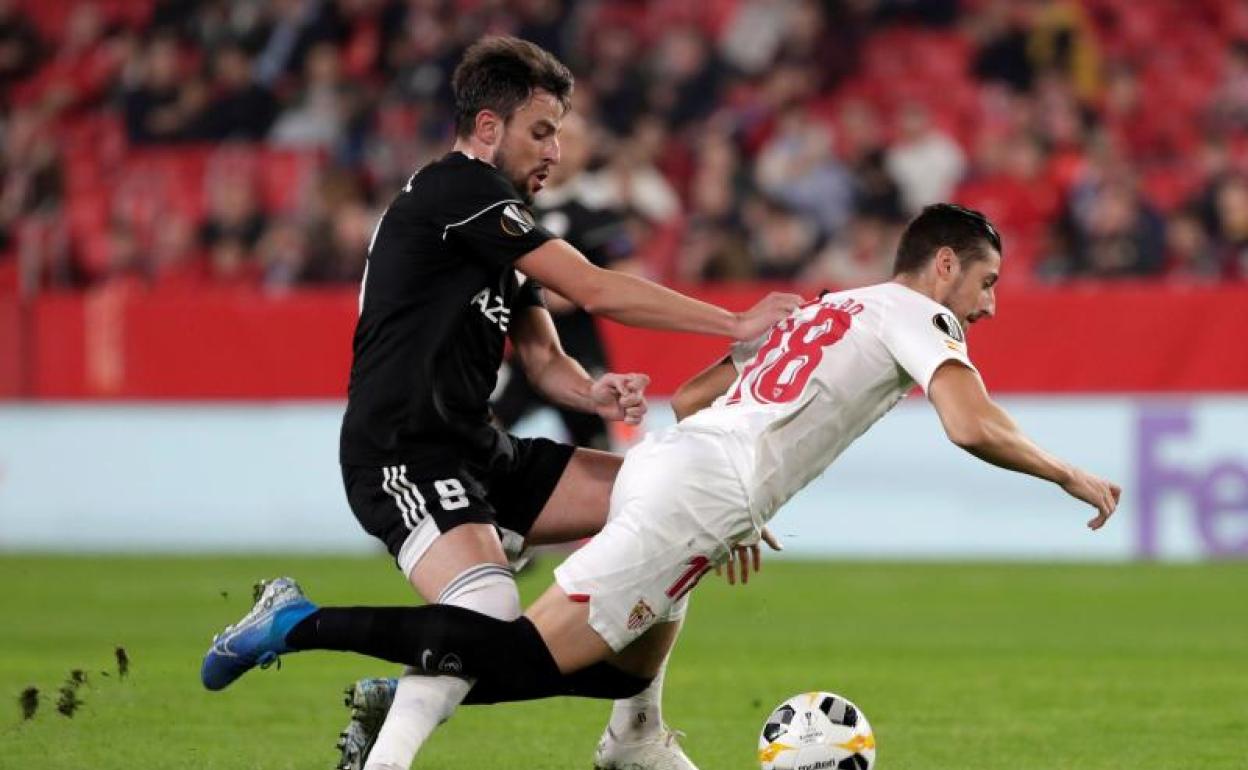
(819, 379)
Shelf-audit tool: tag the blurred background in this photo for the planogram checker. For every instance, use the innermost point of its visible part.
(187, 190)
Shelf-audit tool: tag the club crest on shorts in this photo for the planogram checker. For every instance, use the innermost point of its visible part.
(516, 220)
(641, 615)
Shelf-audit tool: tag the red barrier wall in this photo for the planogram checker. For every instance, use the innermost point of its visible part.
(126, 343)
(11, 331)
(228, 344)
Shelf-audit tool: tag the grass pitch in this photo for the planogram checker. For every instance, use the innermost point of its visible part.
(1006, 667)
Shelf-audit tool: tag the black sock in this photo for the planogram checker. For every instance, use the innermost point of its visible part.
(600, 680)
(439, 639)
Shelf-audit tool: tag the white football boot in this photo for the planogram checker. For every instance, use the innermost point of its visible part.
(659, 751)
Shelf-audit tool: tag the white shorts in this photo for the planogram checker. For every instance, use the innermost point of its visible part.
(677, 508)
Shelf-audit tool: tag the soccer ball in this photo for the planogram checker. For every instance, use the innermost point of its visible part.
(816, 731)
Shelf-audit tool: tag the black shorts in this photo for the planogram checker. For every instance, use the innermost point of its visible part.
(406, 505)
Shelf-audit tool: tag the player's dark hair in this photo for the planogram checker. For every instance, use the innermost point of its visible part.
(500, 74)
(966, 231)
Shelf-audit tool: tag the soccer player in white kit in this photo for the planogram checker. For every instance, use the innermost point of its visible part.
(784, 407)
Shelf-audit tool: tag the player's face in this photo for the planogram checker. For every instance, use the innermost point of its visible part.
(972, 296)
(530, 144)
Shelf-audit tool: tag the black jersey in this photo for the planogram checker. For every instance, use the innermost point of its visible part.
(436, 301)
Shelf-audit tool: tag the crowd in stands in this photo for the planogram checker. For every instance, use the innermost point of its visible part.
(255, 142)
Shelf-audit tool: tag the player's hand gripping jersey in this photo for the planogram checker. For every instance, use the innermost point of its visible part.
(819, 379)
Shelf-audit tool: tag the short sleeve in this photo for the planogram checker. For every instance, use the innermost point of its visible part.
(529, 294)
(921, 336)
(484, 214)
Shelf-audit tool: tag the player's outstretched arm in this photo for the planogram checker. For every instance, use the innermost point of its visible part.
(561, 379)
(637, 302)
(975, 423)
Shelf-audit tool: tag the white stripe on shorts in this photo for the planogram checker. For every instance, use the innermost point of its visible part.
(419, 504)
(391, 488)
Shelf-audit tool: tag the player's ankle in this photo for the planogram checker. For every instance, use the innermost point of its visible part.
(635, 731)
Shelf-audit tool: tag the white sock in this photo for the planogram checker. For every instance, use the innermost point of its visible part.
(637, 718)
(421, 702)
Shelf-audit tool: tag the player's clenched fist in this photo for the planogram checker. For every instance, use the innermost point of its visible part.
(620, 397)
(766, 313)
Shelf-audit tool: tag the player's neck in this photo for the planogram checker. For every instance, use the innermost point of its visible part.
(922, 283)
(475, 148)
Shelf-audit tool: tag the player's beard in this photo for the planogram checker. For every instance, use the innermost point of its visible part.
(521, 182)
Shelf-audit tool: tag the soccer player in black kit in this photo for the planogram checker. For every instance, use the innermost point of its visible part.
(453, 270)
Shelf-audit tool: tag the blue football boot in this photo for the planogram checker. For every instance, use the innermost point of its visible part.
(259, 637)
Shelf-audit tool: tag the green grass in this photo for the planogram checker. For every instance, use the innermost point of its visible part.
(958, 666)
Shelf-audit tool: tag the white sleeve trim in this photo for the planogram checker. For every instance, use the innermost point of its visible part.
(447, 229)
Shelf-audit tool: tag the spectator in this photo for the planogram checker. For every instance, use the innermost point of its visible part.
(932, 13)
(176, 260)
(1014, 187)
(686, 79)
(1126, 114)
(1231, 209)
(214, 23)
(1191, 255)
(297, 27)
(234, 214)
(859, 133)
(783, 243)
(83, 67)
(231, 264)
(339, 244)
(240, 108)
(631, 182)
(926, 162)
(405, 138)
(829, 37)
(19, 45)
(1062, 40)
(163, 103)
(419, 51)
(755, 34)
(1115, 234)
(714, 246)
(124, 258)
(615, 77)
(319, 115)
(875, 194)
(797, 167)
(544, 22)
(30, 168)
(283, 252)
(863, 255)
(1230, 99)
(1000, 33)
